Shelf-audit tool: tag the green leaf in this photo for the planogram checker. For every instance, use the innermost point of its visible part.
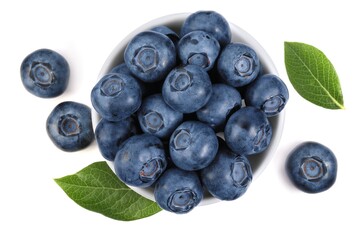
(313, 75)
(98, 189)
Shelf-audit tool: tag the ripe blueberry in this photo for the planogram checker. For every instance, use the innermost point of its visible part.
(268, 93)
(228, 176)
(156, 117)
(208, 21)
(150, 56)
(187, 88)
(116, 96)
(312, 167)
(69, 126)
(193, 145)
(140, 160)
(45, 73)
(178, 191)
(238, 64)
(248, 131)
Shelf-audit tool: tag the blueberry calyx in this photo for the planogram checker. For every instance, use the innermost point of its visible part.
(151, 170)
(200, 59)
(261, 138)
(181, 82)
(313, 168)
(245, 66)
(153, 121)
(240, 173)
(69, 125)
(273, 105)
(182, 200)
(146, 59)
(42, 74)
(182, 140)
(112, 87)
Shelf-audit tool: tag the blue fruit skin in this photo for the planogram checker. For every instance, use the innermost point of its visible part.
(199, 48)
(223, 102)
(178, 191)
(150, 56)
(147, 89)
(210, 22)
(45, 73)
(312, 167)
(140, 160)
(238, 64)
(174, 37)
(187, 88)
(69, 126)
(229, 176)
(157, 118)
(193, 145)
(248, 131)
(116, 96)
(110, 135)
(268, 93)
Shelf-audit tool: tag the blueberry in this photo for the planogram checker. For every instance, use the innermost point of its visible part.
(178, 191)
(150, 56)
(110, 135)
(174, 37)
(208, 21)
(223, 102)
(312, 167)
(187, 88)
(229, 176)
(193, 145)
(199, 48)
(116, 96)
(69, 126)
(45, 73)
(238, 64)
(140, 160)
(248, 131)
(268, 93)
(156, 117)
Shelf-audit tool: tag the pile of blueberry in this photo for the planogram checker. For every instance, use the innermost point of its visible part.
(163, 109)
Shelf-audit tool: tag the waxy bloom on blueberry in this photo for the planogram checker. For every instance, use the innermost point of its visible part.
(116, 96)
(150, 56)
(248, 131)
(140, 160)
(45, 73)
(69, 126)
(238, 64)
(312, 167)
(229, 176)
(178, 191)
(268, 93)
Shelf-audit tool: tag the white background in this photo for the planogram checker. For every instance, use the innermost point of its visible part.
(32, 206)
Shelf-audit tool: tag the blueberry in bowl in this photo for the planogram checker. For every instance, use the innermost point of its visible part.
(175, 22)
(116, 96)
(268, 93)
(140, 160)
(187, 88)
(150, 56)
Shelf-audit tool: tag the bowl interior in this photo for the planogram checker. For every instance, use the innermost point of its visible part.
(258, 161)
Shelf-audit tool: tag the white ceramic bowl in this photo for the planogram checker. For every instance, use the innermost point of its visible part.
(259, 161)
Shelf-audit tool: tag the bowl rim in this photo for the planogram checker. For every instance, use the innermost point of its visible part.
(240, 36)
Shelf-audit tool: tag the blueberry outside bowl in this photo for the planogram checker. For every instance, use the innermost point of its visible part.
(258, 162)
